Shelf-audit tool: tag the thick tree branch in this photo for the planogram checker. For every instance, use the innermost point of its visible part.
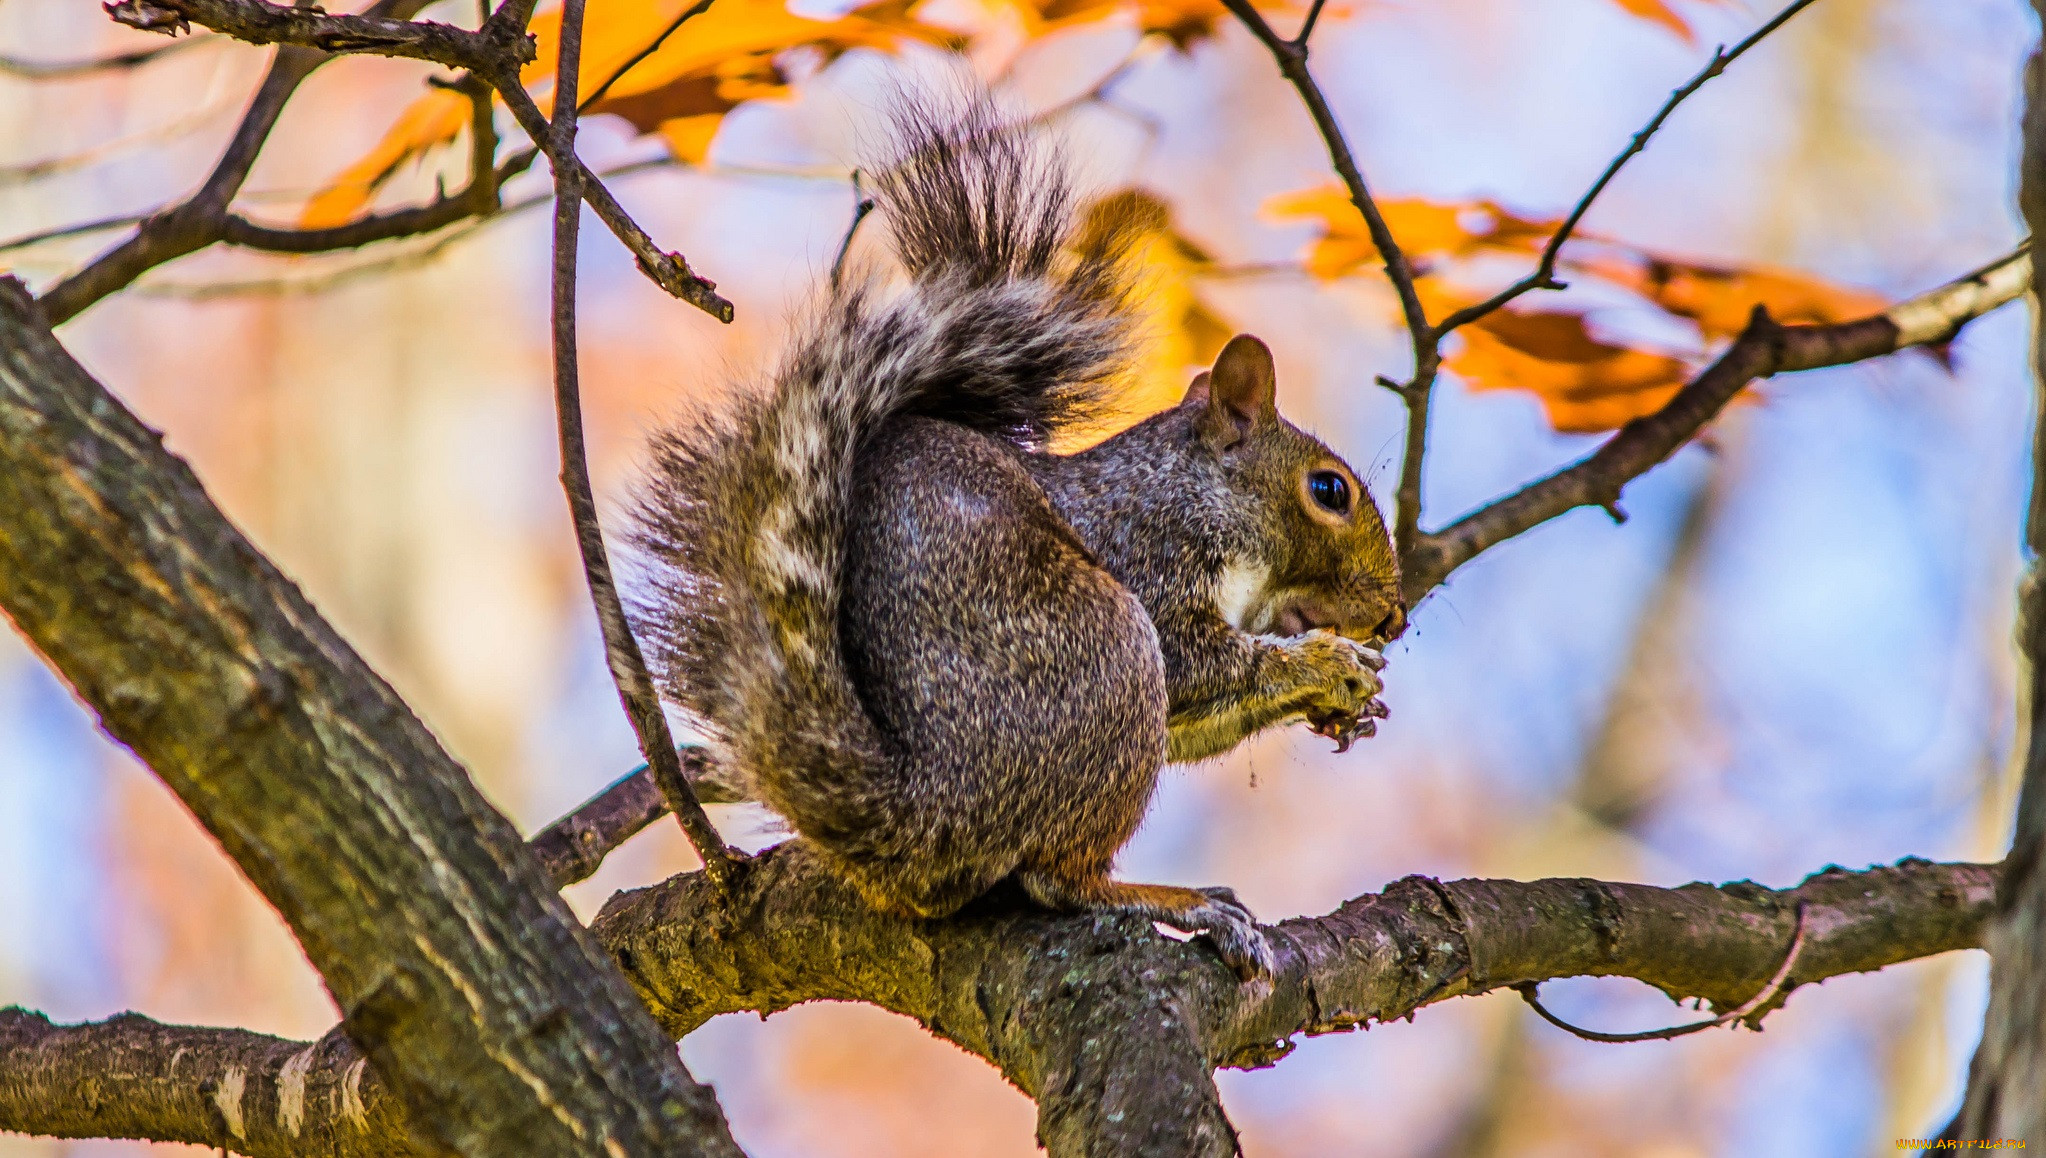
(1114, 1028)
(381, 33)
(1764, 349)
(466, 981)
(2006, 1094)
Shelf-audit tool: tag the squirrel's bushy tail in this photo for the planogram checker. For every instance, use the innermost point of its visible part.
(1013, 322)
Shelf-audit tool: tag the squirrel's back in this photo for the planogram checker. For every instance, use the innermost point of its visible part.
(1009, 325)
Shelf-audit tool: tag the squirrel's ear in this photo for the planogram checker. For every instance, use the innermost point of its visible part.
(1242, 390)
(1196, 392)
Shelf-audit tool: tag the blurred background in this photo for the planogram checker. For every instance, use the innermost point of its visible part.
(1795, 653)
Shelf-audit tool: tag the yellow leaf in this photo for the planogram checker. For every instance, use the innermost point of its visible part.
(1425, 230)
(1183, 334)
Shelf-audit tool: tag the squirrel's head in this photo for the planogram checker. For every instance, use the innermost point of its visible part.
(1325, 558)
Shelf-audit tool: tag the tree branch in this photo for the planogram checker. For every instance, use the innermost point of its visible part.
(380, 33)
(621, 650)
(119, 62)
(203, 219)
(1291, 57)
(493, 1015)
(197, 222)
(1114, 1028)
(1544, 275)
(479, 198)
(1764, 349)
(574, 847)
(668, 270)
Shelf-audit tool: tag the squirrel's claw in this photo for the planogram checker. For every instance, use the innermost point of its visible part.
(1226, 924)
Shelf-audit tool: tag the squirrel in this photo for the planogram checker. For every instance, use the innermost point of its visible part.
(949, 657)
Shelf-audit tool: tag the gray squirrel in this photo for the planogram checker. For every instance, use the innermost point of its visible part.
(949, 657)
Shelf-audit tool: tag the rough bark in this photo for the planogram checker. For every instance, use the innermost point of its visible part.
(496, 1019)
(1112, 1027)
(2006, 1095)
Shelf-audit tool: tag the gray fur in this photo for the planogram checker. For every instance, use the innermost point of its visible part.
(948, 657)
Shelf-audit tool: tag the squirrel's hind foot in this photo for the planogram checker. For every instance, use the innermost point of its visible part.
(1214, 914)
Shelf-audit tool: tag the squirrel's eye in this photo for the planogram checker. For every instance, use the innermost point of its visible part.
(1331, 491)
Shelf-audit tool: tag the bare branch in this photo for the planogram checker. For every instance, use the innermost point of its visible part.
(1292, 60)
(203, 219)
(1764, 349)
(621, 649)
(573, 847)
(1544, 275)
(196, 223)
(862, 205)
(479, 199)
(668, 270)
(1749, 1010)
(463, 978)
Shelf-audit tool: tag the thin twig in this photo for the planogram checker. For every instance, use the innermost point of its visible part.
(1307, 25)
(621, 650)
(1544, 275)
(67, 69)
(1291, 57)
(1763, 349)
(378, 32)
(668, 270)
(573, 847)
(862, 205)
(75, 230)
(604, 89)
(1768, 993)
(200, 220)
(478, 199)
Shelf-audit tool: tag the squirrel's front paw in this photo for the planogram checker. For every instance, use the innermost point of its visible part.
(1342, 690)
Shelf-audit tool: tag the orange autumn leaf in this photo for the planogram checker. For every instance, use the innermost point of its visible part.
(706, 67)
(1584, 384)
(1661, 12)
(1721, 298)
(1424, 229)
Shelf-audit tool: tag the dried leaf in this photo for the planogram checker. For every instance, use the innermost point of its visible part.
(1721, 298)
(1584, 384)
